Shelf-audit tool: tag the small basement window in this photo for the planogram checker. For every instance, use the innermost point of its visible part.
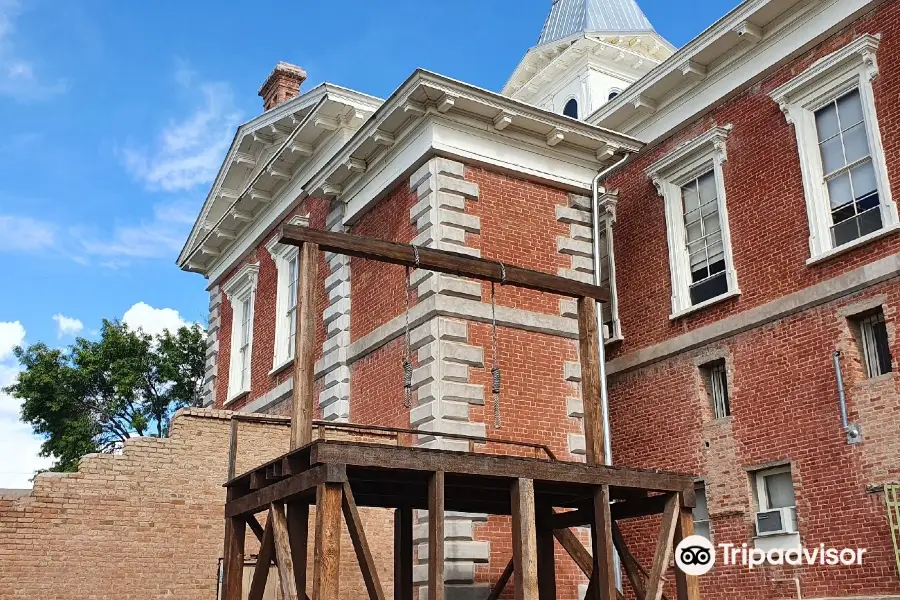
(874, 345)
(701, 512)
(716, 378)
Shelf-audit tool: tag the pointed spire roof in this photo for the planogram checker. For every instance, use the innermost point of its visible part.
(569, 17)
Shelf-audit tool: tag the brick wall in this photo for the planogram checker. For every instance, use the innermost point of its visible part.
(782, 387)
(149, 522)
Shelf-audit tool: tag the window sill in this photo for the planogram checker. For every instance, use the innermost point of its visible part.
(702, 305)
(875, 235)
(281, 367)
(237, 397)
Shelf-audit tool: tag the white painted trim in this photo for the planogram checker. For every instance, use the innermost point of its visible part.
(697, 307)
(277, 209)
(472, 145)
(862, 241)
(684, 163)
(787, 36)
(239, 290)
(852, 67)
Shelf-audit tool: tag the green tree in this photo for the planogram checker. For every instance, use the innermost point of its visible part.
(94, 395)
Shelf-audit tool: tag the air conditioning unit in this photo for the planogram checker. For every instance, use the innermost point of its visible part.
(776, 521)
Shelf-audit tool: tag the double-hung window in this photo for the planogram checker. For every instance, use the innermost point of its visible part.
(832, 108)
(701, 512)
(715, 377)
(286, 263)
(691, 181)
(703, 238)
(241, 292)
(776, 505)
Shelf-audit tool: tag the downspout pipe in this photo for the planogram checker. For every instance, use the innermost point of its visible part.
(598, 276)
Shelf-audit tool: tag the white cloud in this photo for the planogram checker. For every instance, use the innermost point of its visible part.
(19, 448)
(153, 320)
(24, 234)
(162, 236)
(67, 325)
(188, 151)
(18, 78)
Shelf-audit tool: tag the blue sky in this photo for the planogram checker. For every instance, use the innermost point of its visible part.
(114, 117)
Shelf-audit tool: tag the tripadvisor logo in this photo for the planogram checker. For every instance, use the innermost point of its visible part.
(695, 555)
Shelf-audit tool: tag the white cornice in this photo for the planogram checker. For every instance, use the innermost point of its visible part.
(859, 52)
(275, 151)
(467, 104)
(711, 142)
(754, 39)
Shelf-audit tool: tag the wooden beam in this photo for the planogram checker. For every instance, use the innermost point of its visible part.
(326, 573)
(546, 554)
(633, 570)
(687, 586)
(298, 532)
(604, 553)
(571, 544)
(436, 536)
(418, 459)
(305, 348)
(361, 546)
(403, 553)
(663, 549)
(285, 489)
(502, 581)
(524, 540)
(255, 527)
(440, 261)
(263, 563)
(570, 518)
(283, 556)
(589, 347)
(233, 561)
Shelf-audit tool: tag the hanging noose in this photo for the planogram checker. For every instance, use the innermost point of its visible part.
(495, 368)
(407, 354)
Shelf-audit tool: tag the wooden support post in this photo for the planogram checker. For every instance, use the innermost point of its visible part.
(502, 581)
(686, 586)
(255, 527)
(263, 563)
(304, 348)
(233, 561)
(589, 347)
(361, 546)
(663, 548)
(604, 553)
(403, 553)
(298, 532)
(546, 553)
(326, 573)
(524, 539)
(283, 555)
(436, 536)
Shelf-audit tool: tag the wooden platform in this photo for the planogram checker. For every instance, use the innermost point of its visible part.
(394, 476)
(544, 497)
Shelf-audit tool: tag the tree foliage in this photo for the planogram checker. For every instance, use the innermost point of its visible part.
(94, 395)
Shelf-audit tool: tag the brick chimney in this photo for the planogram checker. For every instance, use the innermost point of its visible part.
(282, 84)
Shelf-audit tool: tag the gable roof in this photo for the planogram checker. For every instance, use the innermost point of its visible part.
(570, 17)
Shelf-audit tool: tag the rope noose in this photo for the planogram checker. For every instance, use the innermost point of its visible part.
(407, 355)
(495, 368)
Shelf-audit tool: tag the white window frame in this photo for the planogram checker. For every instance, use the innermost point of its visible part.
(762, 501)
(607, 203)
(852, 67)
(241, 290)
(282, 255)
(687, 162)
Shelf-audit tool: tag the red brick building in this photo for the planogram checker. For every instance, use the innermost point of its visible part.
(735, 194)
